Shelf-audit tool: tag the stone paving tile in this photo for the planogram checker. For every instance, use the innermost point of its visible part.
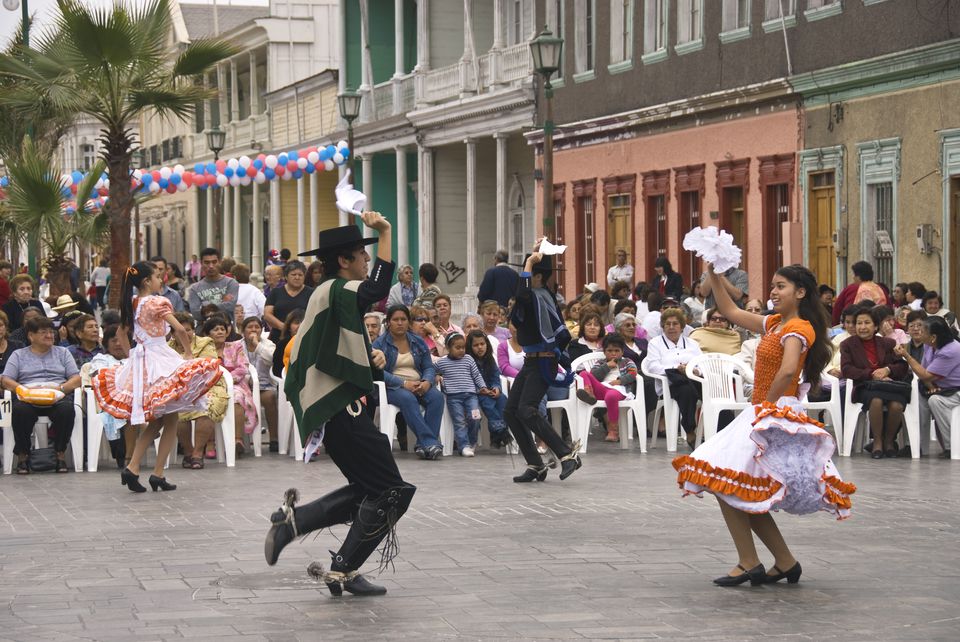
(611, 553)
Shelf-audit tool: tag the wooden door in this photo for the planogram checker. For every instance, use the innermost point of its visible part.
(619, 226)
(953, 252)
(733, 218)
(821, 227)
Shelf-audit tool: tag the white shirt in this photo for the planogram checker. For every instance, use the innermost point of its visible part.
(620, 273)
(252, 300)
(916, 304)
(663, 354)
(99, 276)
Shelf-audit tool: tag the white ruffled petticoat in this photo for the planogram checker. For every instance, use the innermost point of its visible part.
(771, 457)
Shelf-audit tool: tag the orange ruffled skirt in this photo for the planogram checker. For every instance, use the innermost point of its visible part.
(170, 384)
(774, 458)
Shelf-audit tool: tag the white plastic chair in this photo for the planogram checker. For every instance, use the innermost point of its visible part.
(832, 406)
(256, 437)
(721, 378)
(630, 408)
(853, 413)
(287, 432)
(40, 436)
(388, 420)
(671, 411)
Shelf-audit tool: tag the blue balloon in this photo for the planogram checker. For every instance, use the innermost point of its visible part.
(331, 149)
(228, 171)
(4, 181)
(310, 169)
(198, 168)
(163, 182)
(345, 153)
(269, 173)
(71, 210)
(146, 179)
(257, 163)
(243, 171)
(298, 174)
(211, 168)
(282, 158)
(201, 186)
(77, 176)
(65, 192)
(175, 179)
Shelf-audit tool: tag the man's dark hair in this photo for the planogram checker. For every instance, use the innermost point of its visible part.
(501, 256)
(623, 303)
(824, 288)
(109, 317)
(917, 289)
(210, 251)
(601, 299)
(285, 254)
(850, 311)
(331, 261)
(916, 315)
(862, 270)
(654, 301)
(613, 339)
(154, 259)
(429, 273)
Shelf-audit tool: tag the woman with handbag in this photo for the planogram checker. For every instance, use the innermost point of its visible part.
(879, 378)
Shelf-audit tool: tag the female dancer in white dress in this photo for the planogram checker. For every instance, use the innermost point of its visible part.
(773, 456)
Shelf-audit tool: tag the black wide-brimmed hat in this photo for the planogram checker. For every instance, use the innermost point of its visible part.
(339, 238)
(545, 265)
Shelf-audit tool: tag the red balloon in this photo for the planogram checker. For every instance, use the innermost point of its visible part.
(261, 157)
(221, 165)
(310, 150)
(188, 179)
(73, 189)
(211, 180)
(320, 165)
(292, 165)
(171, 188)
(156, 175)
(280, 170)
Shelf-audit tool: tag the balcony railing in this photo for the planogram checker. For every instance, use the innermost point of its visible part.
(240, 135)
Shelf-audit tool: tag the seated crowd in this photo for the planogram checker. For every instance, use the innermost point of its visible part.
(625, 341)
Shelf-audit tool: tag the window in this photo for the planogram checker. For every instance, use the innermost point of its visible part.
(689, 21)
(656, 187)
(621, 31)
(736, 15)
(879, 173)
(819, 4)
(771, 9)
(89, 156)
(516, 25)
(585, 223)
(776, 185)
(555, 19)
(559, 194)
(819, 9)
(655, 22)
(689, 185)
(585, 37)
(881, 202)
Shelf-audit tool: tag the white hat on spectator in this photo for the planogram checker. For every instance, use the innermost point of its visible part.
(591, 287)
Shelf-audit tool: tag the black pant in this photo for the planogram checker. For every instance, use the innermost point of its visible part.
(25, 417)
(686, 393)
(362, 453)
(101, 291)
(522, 411)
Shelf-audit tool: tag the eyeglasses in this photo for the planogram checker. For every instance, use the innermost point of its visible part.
(421, 319)
(916, 326)
(719, 319)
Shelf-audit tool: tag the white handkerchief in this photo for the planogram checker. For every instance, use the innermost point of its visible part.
(547, 248)
(350, 200)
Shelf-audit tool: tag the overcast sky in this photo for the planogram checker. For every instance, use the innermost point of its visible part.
(44, 10)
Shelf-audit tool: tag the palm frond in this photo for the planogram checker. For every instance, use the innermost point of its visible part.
(35, 198)
(201, 55)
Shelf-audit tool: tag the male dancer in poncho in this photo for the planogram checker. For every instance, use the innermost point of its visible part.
(542, 335)
(329, 374)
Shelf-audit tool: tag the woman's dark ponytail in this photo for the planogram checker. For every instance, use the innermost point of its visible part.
(811, 310)
(132, 278)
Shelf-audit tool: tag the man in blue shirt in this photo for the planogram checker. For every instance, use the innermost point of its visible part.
(500, 282)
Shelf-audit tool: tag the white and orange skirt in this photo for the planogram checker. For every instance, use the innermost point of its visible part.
(772, 458)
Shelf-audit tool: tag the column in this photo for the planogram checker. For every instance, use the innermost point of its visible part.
(210, 240)
(342, 34)
(502, 228)
(403, 249)
(423, 35)
(366, 69)
(256, 243)
(227, 226)
(471, 215)
(234, 92)
(237, 225)
(425, 205)
(302, 242)
(498, 20)
(254, 94)
(314, 216)
(222, 94)
(368, 187)
(275, 234)
(208, 111)
(193, 243)
(398, 68)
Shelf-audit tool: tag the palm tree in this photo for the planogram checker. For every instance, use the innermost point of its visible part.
(114, 66)
(37, 208)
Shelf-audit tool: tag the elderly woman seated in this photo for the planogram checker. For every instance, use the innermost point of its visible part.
(717, 335)
(233, 357)
(48, 368)
(409, 376)
(260, 355)
(668, 355)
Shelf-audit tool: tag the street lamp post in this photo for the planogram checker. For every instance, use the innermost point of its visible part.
(546, 49)
(349, 104)
(216, 139)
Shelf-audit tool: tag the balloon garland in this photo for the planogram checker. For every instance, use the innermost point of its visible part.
(292, 165)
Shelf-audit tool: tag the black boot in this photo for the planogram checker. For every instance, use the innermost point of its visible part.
(374, 521)
(118, 450)
(530, 474)
(333, 508)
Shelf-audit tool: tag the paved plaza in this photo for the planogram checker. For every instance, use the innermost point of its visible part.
(611, 553)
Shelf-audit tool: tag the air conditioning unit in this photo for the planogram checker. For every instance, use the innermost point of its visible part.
(925, 238)
(840, 242)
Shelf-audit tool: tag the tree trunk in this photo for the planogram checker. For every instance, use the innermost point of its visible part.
(118, 208)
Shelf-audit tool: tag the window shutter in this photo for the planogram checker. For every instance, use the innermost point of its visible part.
(650, 25)
(616, 31)
(729, 15)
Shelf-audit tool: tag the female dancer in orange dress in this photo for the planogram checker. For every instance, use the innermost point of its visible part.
(155, 383)
(773, 456)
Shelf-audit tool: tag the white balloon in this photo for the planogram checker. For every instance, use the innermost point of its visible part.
(221, 180)
(270, 161)
(178, 169)
(260, 178)
(154, 187)
(342, 145)
(338, 158)
(165, 172)
(182, 187)
(329, 165)
(66, 180)
(233, 163)
(245, 181)
(234, 180)
(244, 161)
(106, 181)
(137, 174)
(313, 158)
(287, 176)
(302, 163)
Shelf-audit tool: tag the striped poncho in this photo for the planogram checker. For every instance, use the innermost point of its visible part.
(329, 365)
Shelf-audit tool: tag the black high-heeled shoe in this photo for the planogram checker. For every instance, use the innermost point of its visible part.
(161, 483)
(792, 575)
(755, 575)
(338, 582)
(532, 473)
(131, 481)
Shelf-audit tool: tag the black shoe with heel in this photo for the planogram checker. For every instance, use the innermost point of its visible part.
(792, 575)
(755, 576)
(131, 481)
(161, 483)
(532, 473)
